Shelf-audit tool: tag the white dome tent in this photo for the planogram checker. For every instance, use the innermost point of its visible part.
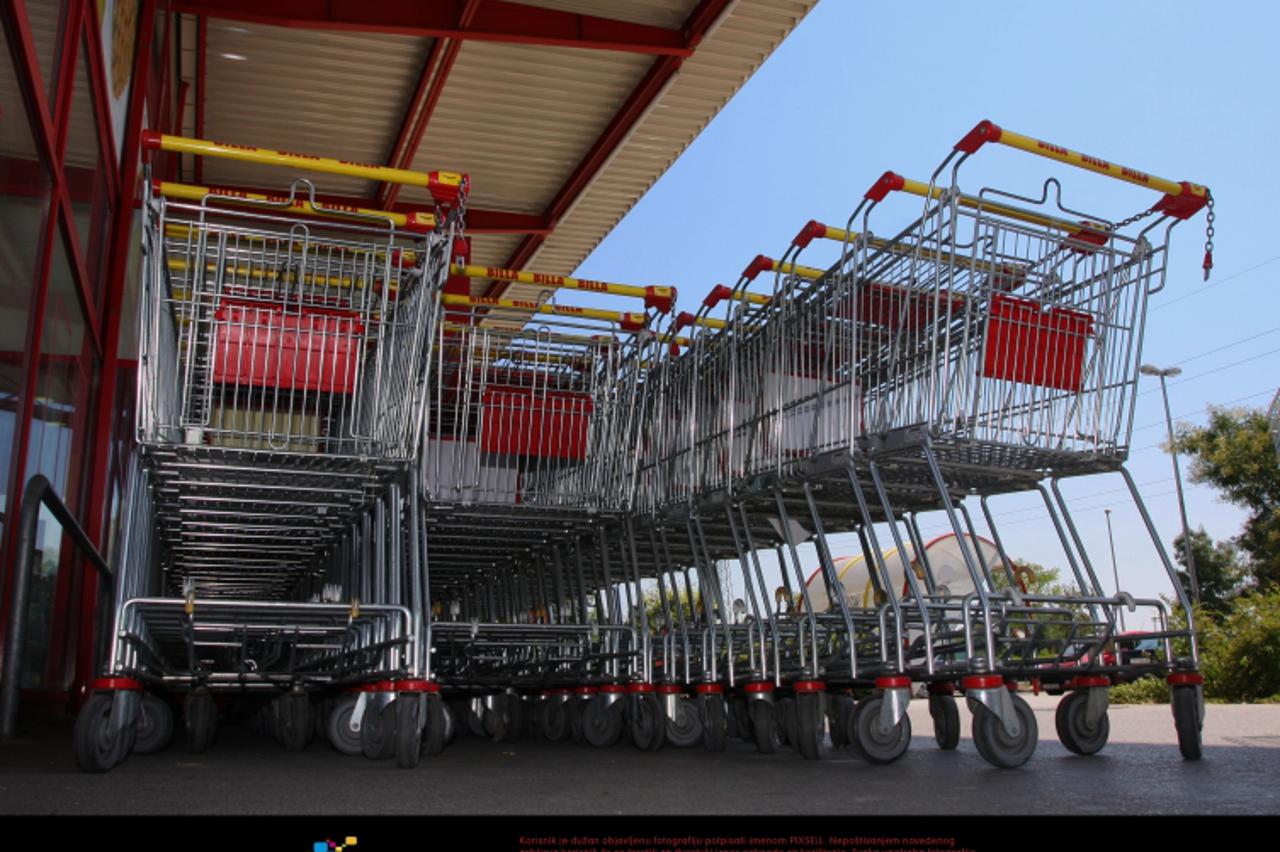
(942, 553)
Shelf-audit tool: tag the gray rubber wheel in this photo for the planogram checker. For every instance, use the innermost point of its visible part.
(377, 731)
(338, 727)
(684, 728)
(577, 709)
(201, 720)
(294, 723)
(1183, 701)
(602, 723)
(98, 748)
(437, 729)
(877, 743)
(946, 721)
(648, 722)
(155, 725)
(711, 713)
(786, 713)
(408, 736)
(995, 745)
(1074, 731)
(553, 718)
(839, 709)
(765, 726)
(808, 712)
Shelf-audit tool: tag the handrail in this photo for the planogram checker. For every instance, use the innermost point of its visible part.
(39, 490)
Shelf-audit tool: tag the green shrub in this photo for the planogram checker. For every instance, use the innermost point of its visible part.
(1144, 690)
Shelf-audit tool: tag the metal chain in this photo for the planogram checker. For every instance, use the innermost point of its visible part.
(1208, 235)
(1124, 223)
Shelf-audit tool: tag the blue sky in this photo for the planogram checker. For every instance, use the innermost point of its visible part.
(860, 87)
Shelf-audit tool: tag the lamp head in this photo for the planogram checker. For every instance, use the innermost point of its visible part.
(1149, 370)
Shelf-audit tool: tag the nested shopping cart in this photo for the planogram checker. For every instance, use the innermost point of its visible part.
(271, 542)
(527, 471)
(991, 346)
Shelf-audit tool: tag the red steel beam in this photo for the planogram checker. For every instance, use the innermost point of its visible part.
(635, 106)
(104, 415)
(495, 20)
(423, 103)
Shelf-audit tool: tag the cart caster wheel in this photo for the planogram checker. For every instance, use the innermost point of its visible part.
(684, 728)
(553, 718)
(715, 722)
(877, 743)
(408, 737)
(294, 725)
(98, 747)
(435, 733)
(505, 722)
(202, 720)
(476, 719)
(602, 723)
(377, 731)
(451, 728)
(648, 722)
(839, 709)
(577, 710)
(809, 715)
(946, 721)
(766, 726)
(994, 743)
(1074, 731)
(785, 711)
(338, 726)
(1186, 719)
(155, 725)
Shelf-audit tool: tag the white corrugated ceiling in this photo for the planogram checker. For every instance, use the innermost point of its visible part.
(518, 118)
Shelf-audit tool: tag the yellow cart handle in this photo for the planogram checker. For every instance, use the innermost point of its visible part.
(1083, 231)
(630, 321)
(417, 222)
(447, 188)
(661, 299)
(1182, 199)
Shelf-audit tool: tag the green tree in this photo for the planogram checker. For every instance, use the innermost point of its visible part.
(1222, 572)
(1234, 453)
(656, 613)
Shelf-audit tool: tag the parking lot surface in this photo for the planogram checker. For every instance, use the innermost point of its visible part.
(1139, 772)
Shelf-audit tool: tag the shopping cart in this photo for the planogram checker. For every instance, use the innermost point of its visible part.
(271, 534)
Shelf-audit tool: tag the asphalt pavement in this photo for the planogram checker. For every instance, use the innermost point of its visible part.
(1139, 772)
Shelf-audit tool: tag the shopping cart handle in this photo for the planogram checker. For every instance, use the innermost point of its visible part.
(447, 188)
(717, 295)
(812, 230)
(885, 184)
(661, 299)
(1182, 199)
(760, 263)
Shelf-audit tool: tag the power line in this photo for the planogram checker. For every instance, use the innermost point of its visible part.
(1200, 411)
(1219, 283)
(1260, 355)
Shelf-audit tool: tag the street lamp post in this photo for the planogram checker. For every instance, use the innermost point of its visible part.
(1114, 570)
(1152, 370)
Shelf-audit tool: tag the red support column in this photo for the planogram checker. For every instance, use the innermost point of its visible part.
(104, 420)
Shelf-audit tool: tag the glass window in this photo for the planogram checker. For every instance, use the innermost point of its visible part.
(24, 209)
(55, 449)
(86, 175)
